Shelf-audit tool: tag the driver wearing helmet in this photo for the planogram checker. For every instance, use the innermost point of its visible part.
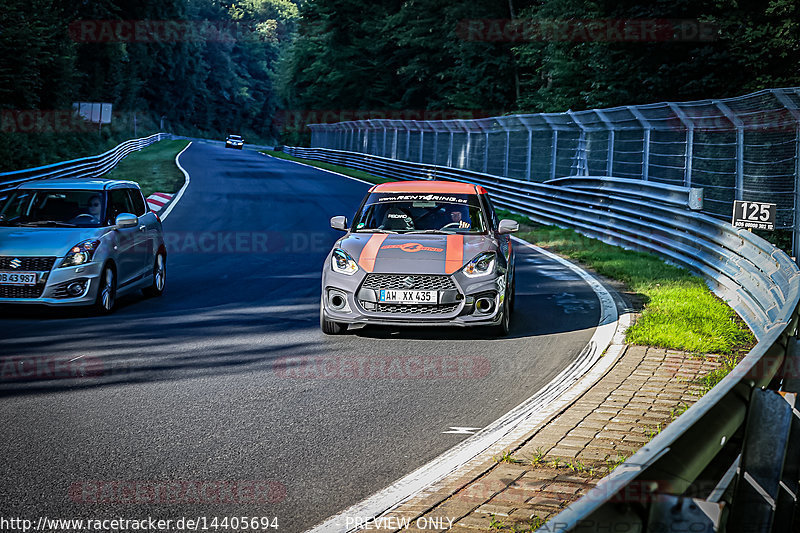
(457, 216)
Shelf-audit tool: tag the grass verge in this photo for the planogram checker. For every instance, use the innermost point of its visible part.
(366, 176)
(153, 168)
(680, 312)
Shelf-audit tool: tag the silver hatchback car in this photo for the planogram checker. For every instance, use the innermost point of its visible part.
(82, 241)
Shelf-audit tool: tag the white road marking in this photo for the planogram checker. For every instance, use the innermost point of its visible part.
(177, 198)
(458, 430)
(595, 359)
(76, 358)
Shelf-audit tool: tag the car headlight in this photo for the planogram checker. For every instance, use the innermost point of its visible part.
(481, 265)
(80, 253)
(342, 263)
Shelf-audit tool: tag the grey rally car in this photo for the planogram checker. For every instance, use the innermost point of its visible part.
(420, 253)
(66, 242)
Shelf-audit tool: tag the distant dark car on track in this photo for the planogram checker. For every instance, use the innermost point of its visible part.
(420, 253)
(234, 141)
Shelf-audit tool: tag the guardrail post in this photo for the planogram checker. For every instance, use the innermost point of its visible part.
(790, 484)
(677, 513)
(768, 426)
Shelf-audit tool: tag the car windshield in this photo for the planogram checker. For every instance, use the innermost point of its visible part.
(53, 208)
(421, 213)
(234, 138)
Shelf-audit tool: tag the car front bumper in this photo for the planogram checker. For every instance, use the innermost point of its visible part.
(54, 294)
(459, 308)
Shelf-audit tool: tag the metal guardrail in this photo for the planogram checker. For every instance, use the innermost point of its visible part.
(741, 148)
(693, 463)
(90, 167)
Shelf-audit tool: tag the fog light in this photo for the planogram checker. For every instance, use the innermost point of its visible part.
(76, 288)
(484, 305)
(337, 300)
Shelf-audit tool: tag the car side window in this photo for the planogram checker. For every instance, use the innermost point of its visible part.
(137, 199)
(120, 203)
(490, 212)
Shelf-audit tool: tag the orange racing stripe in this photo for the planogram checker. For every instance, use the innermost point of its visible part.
(454, 256)
(370, 251)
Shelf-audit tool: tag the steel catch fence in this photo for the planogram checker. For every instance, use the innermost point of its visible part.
(744, 148)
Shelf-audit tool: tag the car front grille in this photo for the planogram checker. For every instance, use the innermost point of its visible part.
(28, 264)
(410, 309)
(418, 282)
(21, 291)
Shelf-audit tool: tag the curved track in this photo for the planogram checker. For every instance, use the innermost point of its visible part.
(227, 378)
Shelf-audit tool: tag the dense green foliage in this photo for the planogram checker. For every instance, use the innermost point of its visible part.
(263, 65)
(415, 55)
(197, 67)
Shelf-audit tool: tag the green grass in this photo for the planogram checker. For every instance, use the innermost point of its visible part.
(366, 176)
(153, 168)
(680, 311)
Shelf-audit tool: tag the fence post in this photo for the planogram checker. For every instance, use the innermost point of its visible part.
(646, 141)
(486, 153)
(689, 151)
(450, 151)
(435, 145)
(796, 217)
(508, 151)
(793, 109)
(581, 155)
(739, 125)
(528, 163)
(612, 135)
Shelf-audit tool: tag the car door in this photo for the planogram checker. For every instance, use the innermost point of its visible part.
(145, 238)
(128, 260)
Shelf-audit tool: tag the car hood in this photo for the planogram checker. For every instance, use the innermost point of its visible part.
(418, 253)
(44, 241)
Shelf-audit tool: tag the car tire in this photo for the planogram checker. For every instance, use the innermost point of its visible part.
(329, 327)
(159, 277)
(106, 300)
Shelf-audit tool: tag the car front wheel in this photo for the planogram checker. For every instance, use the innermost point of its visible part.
(502, 329)
(107, 292)
(329, 327)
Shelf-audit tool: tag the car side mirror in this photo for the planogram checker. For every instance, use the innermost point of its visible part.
(507, 226)
(126, 220)
(339, 223)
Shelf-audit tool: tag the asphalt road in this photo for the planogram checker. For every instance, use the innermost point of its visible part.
(163, 408)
